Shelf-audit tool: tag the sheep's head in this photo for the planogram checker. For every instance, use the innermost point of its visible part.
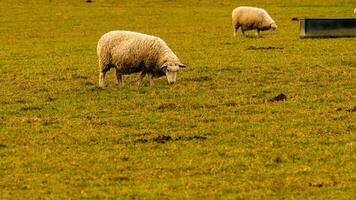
(170, 70)
(273, 27)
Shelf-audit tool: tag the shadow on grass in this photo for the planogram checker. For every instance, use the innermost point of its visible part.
(96, 89)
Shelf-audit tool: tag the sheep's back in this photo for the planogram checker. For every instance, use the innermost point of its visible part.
(247, 15)
(125, 48)
(114, 39)
(134, 51)
(251, 16)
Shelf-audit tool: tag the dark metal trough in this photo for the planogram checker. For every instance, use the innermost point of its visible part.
(327, 27)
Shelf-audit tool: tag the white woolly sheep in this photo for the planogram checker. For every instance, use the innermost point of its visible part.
(249, 18)
(130, 52)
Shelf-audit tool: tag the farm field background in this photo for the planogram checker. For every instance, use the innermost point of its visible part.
(212, 135)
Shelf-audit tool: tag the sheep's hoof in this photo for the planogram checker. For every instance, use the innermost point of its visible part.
(101, 84)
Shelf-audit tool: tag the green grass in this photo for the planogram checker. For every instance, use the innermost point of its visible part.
(62, 137)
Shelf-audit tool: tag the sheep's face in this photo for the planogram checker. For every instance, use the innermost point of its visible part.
(171, 70)
(273, 27)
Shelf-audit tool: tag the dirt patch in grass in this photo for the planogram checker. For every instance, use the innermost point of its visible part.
(50, 99)
(167, 138)
(319, 185)
(280, 97)
(89, 83)
(167, 106)
(203, 106)
(29, 108)
(77, 76)
(264, 48)
(353, 109)
(231, 104)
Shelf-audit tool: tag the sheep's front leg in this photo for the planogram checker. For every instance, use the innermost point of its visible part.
(235, 27)
(102, 79)
(234, 30)
(119, 78)
(242, 31)
(140, 80)
(150, 76)
(103, 70)
(258, 32)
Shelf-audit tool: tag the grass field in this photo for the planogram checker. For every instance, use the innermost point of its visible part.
(212, 135)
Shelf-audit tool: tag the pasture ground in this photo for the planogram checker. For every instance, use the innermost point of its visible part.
(213, 135)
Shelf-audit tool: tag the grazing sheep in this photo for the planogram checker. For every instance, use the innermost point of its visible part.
(130, 52)
(249, 18)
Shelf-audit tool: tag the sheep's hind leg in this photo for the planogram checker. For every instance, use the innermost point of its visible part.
(119, 78)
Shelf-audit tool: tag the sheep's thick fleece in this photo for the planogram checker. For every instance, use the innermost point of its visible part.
(130, 52)
(249, 18)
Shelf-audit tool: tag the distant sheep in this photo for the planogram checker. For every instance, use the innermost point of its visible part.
(249, 18)
(130, 52)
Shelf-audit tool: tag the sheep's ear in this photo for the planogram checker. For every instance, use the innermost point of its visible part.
(182, 65)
